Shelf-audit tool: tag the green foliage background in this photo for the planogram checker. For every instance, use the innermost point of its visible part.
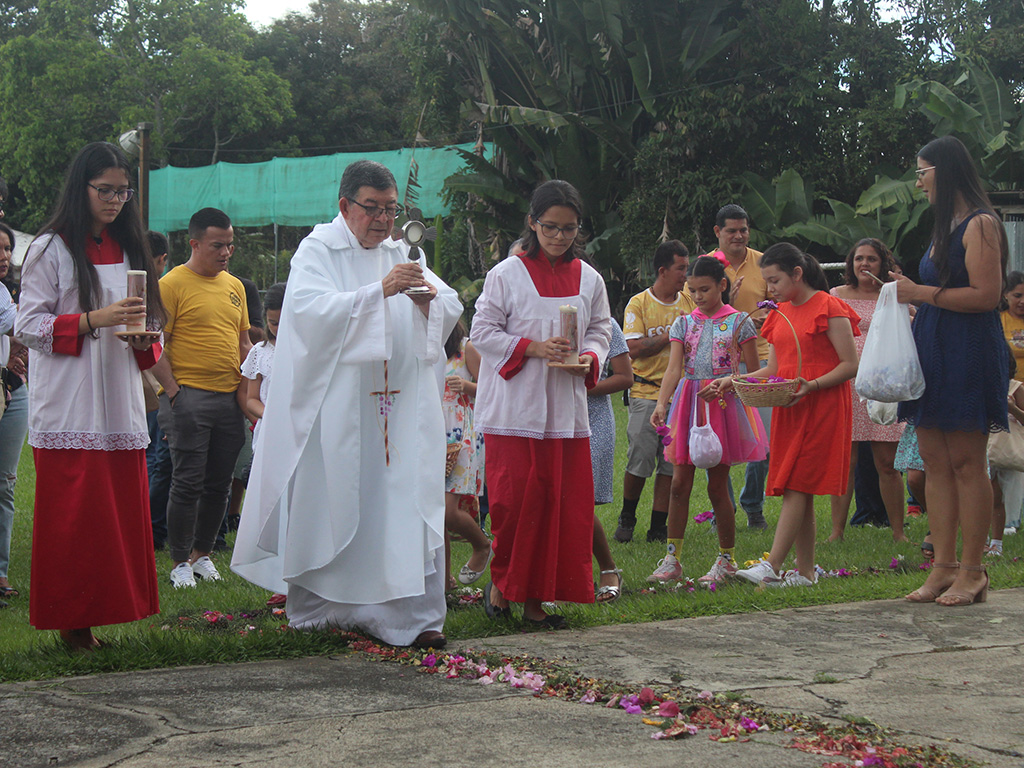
(660, 112)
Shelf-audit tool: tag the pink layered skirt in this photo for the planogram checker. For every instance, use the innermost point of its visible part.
(738, 426)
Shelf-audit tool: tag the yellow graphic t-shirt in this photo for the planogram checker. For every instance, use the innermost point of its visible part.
(205, 318)
(647, 316)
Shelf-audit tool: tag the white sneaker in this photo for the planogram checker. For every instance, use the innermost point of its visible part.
(722, 569)
(182, 576)
(1009, 530)
(793, 579)
(759, 573)
(203, 568)
(669, 569)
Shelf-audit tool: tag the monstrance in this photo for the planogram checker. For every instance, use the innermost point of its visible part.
(415, 233)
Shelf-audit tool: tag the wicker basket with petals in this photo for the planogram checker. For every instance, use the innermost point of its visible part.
(765, 393)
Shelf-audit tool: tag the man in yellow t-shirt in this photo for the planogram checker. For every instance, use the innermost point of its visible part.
(732, 228)
(206, 337)
(649, 316)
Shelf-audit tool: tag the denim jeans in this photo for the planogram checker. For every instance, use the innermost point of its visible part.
(205, 431)
(752, 495)
(158, 467)
(13, 427)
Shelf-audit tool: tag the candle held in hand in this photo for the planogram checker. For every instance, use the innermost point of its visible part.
(137, 287)
(570, 331)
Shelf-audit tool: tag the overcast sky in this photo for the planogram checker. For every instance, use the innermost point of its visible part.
(262, 12)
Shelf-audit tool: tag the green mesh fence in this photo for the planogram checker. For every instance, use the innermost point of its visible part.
(289, 191)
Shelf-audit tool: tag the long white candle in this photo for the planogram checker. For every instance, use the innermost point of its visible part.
(570, 331)
(137, 287)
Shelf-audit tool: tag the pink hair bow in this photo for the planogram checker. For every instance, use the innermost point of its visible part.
(721, 258)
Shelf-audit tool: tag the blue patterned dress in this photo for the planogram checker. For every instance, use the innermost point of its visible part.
(602, 426)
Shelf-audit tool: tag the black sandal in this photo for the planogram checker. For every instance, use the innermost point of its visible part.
(493, 611)
(928, 549)
(551, 621)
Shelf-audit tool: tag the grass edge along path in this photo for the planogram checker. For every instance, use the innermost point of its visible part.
(237, 627)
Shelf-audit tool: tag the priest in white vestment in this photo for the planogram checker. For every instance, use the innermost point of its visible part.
(345, 505)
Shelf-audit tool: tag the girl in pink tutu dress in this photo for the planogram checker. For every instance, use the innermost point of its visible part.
(705, 343)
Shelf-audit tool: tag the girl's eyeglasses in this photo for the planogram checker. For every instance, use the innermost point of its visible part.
(107, 194)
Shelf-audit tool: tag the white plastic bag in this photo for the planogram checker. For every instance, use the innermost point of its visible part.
(881, 413)
(705, 447)
(890, 371)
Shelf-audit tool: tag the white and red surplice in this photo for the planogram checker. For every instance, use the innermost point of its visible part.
(92, 543)
(534, 418)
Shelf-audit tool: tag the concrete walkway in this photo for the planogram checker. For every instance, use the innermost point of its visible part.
(932, 675)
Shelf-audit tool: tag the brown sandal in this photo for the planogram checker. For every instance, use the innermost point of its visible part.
(926, 594)
(963, 598)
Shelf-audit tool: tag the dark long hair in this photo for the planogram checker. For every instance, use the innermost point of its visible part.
(955, 178)
(72, 220)
(547, 195)
(709, 266)
(273, 301)
(788, 257)
(454, 342)
(884, 254)
(8, 280)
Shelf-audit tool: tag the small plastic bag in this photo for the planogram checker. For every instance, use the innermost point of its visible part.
(881, 413)
(705, 447)
(890, 371)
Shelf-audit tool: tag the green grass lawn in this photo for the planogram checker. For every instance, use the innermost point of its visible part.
(229, 621)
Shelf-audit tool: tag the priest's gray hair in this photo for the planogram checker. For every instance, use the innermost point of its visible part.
(365, 173)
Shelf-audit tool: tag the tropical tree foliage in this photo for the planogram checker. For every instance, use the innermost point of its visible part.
(89, 70)
(566, 89)
(803, 88)
(983, 115)
(659, 112)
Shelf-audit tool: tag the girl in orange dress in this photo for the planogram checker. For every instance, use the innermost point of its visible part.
(810, 441)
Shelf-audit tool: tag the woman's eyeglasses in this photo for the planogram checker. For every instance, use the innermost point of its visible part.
(107, 194)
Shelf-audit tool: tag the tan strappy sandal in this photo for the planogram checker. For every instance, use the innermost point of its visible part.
(926, 594)
(965, 598)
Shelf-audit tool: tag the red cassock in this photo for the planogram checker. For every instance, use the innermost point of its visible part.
(541, 491)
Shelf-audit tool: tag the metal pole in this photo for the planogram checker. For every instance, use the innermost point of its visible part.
(144, 150)
(275, 251)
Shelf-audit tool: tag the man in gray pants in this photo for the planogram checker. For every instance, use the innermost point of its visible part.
(205, 339)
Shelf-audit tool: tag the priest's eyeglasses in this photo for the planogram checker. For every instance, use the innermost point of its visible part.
(107, 194)
(550, 230)
(373, 211)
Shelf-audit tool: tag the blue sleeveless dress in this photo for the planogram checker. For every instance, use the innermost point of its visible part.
(964, 357)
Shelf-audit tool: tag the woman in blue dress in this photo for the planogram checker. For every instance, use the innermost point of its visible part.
(966, 367)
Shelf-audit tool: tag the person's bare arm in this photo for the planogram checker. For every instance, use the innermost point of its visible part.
(984, 274)
(648, 346)
(244, 345)
(840, 333)
(1015, 404)
(253, 405)
(669, 382)
(162, 370)
(620, 378)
